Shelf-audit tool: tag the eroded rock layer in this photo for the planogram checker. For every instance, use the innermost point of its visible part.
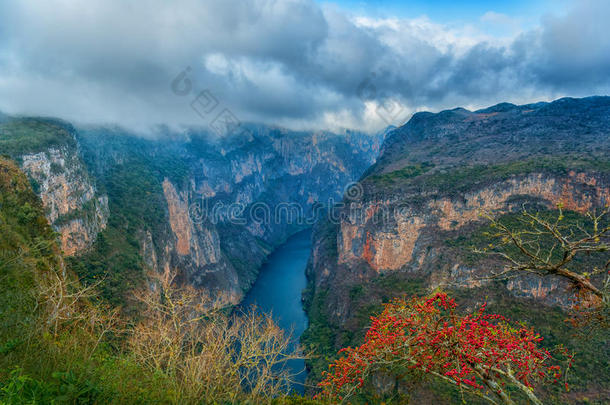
(412, 227)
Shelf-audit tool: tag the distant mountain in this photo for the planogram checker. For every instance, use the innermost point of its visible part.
(411, 226)
(498, 134)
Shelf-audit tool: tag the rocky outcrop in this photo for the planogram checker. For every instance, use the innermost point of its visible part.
(422, 201)
(223, 204)
(178, 218)
(72, 204)
(386, 233)
(194, 252)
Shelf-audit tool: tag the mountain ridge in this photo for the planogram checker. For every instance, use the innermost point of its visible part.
(412, 227)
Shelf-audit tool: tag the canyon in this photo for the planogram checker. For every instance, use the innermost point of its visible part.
(207, 209)
(211, 210)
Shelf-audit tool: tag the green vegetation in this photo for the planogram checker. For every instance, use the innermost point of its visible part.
(26, 246)
(407, 172)
(319, 337)
(136, 203)
(32, 370)
(19, 136)
(452, 180)
(461, 179)
(58, 346)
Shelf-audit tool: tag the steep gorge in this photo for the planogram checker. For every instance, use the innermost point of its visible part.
(412, 227)
(208, 210)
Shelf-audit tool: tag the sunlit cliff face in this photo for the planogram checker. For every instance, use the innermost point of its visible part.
(391, 246)
(70, 199)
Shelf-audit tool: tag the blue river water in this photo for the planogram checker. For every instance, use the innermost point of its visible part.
(277, 290)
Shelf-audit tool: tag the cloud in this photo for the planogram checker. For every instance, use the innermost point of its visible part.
(287, 62)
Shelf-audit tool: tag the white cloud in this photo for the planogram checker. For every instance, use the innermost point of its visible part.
(288, 62)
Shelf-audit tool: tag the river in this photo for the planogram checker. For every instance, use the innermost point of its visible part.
(277, 290)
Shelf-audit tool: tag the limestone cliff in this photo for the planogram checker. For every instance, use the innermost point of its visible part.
(419, 207)
(48, 154)
(210, 209)
(386, 233)
(71, 202)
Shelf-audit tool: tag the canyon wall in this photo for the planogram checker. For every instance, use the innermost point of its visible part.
(72, 204)
(420, 208)
(206, 209)
(222, 205)
(47, 152)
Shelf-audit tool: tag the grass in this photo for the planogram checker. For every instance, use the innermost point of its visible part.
(462, 179)
(21, 136)
(407, 172)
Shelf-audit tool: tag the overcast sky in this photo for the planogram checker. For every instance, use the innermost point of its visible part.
(295, 63)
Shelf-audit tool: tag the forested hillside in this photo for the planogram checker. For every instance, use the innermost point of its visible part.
(421, 222)
(61, 343)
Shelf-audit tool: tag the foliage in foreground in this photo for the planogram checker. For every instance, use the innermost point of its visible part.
(187, 337)
(60, 344)
(184, 349)
(549, 245)
(483, 354)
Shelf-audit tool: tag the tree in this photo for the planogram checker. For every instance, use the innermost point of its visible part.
(188, 336)
(547, 245)
(482, 354)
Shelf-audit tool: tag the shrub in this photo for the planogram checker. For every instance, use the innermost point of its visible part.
(483, 354)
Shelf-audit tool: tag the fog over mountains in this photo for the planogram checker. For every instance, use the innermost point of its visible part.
(295, 63)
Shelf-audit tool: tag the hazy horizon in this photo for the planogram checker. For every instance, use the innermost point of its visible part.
(298, 64)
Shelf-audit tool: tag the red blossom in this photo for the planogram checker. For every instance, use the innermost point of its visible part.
(426, 334)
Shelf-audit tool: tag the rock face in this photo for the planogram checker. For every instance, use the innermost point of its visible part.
(223, 204)
(71, 202)
(209, 210)
(421, 202)
(387, 233)
(194, 250)
(48, 153)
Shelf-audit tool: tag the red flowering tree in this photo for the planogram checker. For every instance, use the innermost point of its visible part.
(481, 353)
